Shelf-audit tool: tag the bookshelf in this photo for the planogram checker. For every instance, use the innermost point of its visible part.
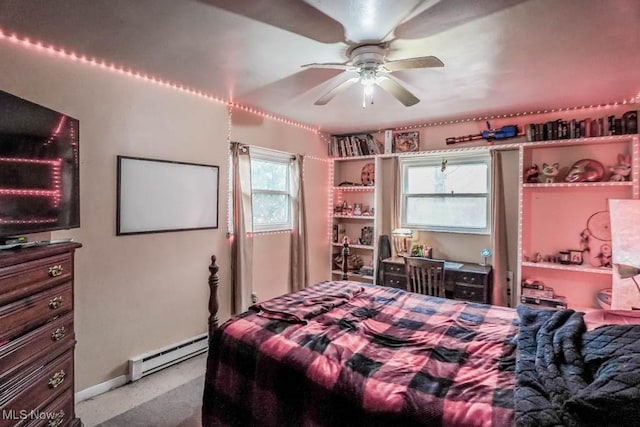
(555, 217)
(353, 215)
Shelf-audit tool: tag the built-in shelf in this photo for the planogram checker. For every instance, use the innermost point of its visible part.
(370, 188)
(352, 246)
(363, 217)
(354, 275)
(579, 184)
(371, 156)
(579, 141)
(517, 142)
(567, 267)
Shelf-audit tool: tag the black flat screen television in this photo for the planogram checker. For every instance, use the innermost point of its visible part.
(39, 168)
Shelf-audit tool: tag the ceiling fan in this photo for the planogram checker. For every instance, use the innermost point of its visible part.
(368, 66)
(368, 29)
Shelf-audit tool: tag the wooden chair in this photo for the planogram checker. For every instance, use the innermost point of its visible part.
(425, 276)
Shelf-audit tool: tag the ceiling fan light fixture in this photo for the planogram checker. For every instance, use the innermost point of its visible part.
(368, 77)
(368, 61)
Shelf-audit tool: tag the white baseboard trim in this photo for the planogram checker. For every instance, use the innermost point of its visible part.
(104, 387)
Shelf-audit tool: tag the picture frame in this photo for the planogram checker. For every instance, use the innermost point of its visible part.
(366, 236)
(575, 256)
(357, 209)
(404, 142)
(156, 196)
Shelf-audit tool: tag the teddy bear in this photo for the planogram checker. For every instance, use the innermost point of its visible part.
(622, 170)
(550, 171)
(531, 174)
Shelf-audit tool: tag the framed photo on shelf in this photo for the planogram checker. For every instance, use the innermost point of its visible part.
(406, 141)
(357, 209)
(575, 257)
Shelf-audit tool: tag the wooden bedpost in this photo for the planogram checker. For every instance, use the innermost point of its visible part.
(213, 295)
(345, 256)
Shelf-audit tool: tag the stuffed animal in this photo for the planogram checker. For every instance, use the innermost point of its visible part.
(622, 170)
(531, 174)
(585, 170)
(603, 259)
(550, 171)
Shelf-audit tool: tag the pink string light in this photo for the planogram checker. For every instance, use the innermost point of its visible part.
(38, 46)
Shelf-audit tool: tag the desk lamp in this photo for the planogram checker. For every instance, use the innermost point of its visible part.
(401, 238)
(626, 271)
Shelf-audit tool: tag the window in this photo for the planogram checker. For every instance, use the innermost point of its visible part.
(270, 190)
(453, 197)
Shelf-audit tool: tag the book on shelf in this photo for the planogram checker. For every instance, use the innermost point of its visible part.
(538, 293)
(556, 302)
(371, 144)
(354, 145)
(630, 119)
(532, 284)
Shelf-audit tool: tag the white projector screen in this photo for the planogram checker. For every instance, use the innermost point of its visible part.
(159, 195)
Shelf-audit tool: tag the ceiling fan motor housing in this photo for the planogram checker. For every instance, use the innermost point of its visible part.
(368, 56)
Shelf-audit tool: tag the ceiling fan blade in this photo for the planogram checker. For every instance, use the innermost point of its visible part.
(368, 21)
(295, 16)
(333, 65)
(445, 15)
(398, 91)
(336, 90)
(406, 64)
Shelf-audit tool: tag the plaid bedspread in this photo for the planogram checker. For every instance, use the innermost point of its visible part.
(344, 353)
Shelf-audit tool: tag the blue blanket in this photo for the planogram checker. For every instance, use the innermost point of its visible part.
(568, 377)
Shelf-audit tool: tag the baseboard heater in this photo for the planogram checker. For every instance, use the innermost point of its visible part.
(156, 360)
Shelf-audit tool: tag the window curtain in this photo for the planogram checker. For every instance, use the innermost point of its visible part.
(385, 245)
(499, 232)
(241, 245)
(395, 207)
(299, 265)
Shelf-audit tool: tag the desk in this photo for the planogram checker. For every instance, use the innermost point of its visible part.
(469, 282)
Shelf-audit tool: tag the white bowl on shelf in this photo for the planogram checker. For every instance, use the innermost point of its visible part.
(604, 298)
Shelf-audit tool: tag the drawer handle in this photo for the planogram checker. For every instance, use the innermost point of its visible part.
(56, 419)
(55, 302)
(57, 379)
(55, 270)
(58, 334)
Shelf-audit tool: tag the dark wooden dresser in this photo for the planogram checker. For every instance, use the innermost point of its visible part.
(37, 338)
(467, 282)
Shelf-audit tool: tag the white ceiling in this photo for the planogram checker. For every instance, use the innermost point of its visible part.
(500, 56)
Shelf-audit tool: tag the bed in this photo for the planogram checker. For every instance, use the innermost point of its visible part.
(346, 353)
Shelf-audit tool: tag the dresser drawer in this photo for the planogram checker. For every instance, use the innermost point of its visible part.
(466, 277)
(30, 312)
(395, 281)
(467, 292)
(37, 389)
(393, 268)
(58, 414)
(49, 339)
(20, 280)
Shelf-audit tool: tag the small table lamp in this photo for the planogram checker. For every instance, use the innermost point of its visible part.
(401, 237)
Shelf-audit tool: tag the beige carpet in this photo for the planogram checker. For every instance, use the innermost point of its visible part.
(180, 407)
